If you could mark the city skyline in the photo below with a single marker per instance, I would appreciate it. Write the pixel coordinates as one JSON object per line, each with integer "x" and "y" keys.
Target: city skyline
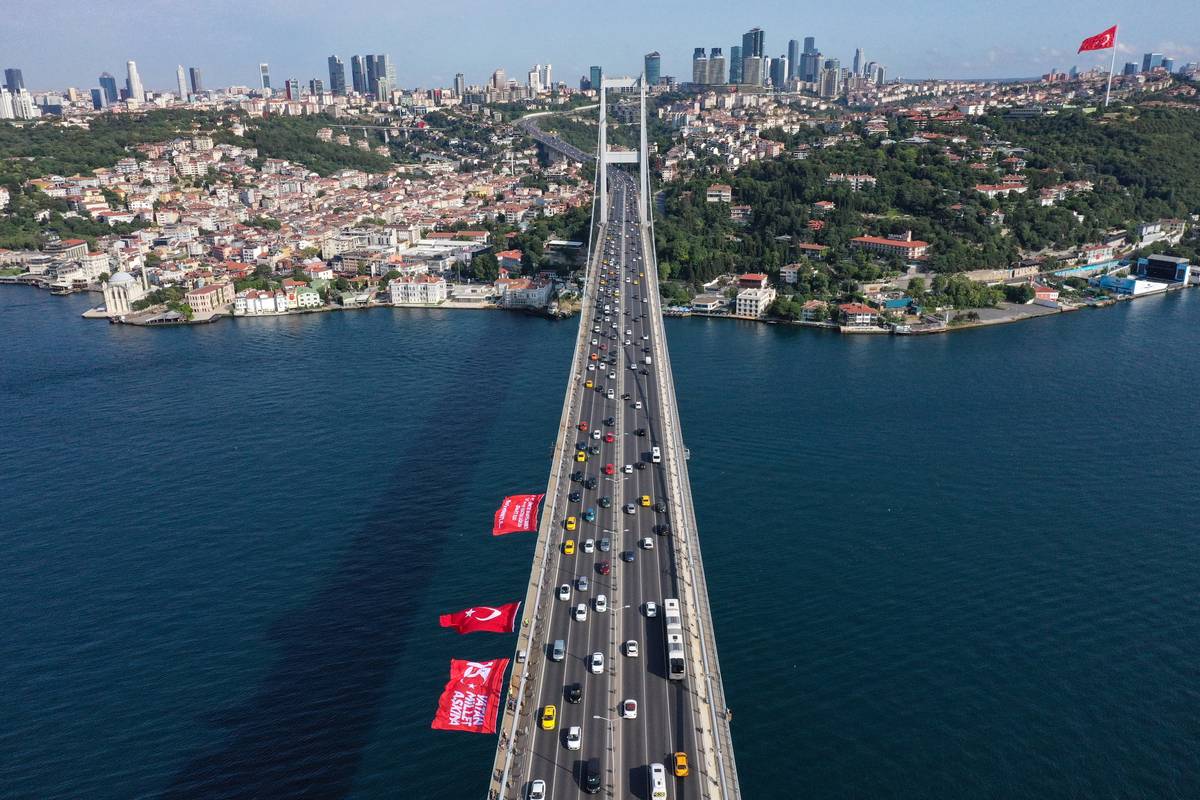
{"x": 987, "y": 43}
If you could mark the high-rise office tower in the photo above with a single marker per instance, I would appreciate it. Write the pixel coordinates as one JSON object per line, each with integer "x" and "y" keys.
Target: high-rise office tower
{"x": 699, "y": 66}
{"x": 99, "y": 99}
{"x": 264, "y": 76}
{"x": 779, "y": 72}
{"x": 337, "y": 75}
{"x": 316, "y": 87}
{"x": 752, "y": 43}
{"x": 460, "y": 85}
{"x": 1130, "y": 68}
{"x": 1151, "y": 61}
{"x": 810, "y": 44}
{"x": 372, "y": 74}
{"x": 735, "y": 64}
{"x": 1168, "y": 64}
{"x": 109, "y": 84}
{"x": 810, "y": 66}
{"x": 831, "y": 78}
{"x": 181, "y": 82}
{"x": 533, "y": 79}
{"x": 14, "y": 81}
{"x": 499, "y": 79}
{"x": 858, "y": 61}
{"x": 752, "y": 71}
{"x": 716, "y": 67}
{"x": 196, "y": 79}
{"x": 652, "y": 68}
{"x": 6, "y": 105}
{"x": 547, "y": 77}
{"x": 133, "y": 82}
{"x": 292, "y": 89}
{"x": 358, "y": 74}
{"x": 380, "y": 75}
{"x": 793, "y": 57}
{"x": 595, "y": 74}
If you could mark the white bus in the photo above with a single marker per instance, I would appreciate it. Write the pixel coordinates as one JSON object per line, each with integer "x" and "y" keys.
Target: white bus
{"x": 658, "y": 782}
{"x": 673, "y": 631}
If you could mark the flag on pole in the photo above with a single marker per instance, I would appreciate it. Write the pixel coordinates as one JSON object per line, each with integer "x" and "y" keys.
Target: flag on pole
{"x": 1101, "y": 41}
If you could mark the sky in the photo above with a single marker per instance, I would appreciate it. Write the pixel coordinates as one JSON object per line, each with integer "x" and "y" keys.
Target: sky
{"x": 70, "y": 42}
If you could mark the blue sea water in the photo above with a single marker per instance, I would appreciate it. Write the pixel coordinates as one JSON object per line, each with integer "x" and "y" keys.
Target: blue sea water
{"x": 959, "y": 566}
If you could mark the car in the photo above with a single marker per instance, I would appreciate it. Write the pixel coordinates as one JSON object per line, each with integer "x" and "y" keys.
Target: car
{"x": 651, "y": 609}
{"x": 603, "y": 567}
{"x": 627, "y": 469}
{"x": 631, "y": 648}
{"x": 591, "y": 483}
{"x": 610, "y": 421}
{"x": 631, "y": 365}
{"x": 628, "y": 332}
{"x": 577, "y": 476}
{"x": 640, "y": 465}
{"x": 564, "y": 592}
{"x": 609, "y": 438}
{"x": 606, "y": 502}
{"x": 596, "y": 435}
{"x": 608, "y": 469}
{"x": 680, "y": 762}
{"x": 638, "y": 405}
{"x": 644, "y": 371}
{"x": 581, "y": 583}
{"x": 594, "y": 449}
{"x": 537, "y": 790}
{"x": 593, "y": 779}
{"x": 589, "y": 545}
{"x": 589, "y": 515}
{"x": 644, "y": 500}
{"x": 605, "y": 545}
{"x": 574, "y": 734}
{"x": 640, "y": 432}
{"x": 580, "y": 456}
{"x": 592, "y": 367}
{"x": 662, "y": 529}
{"x": 573, "y": 692}
{"x": 645, "y": 337}
{"x": 630, "y": 508}
{"x": 593, "y": 357}
{"x": 628, "y": 556}
{"x": 612, "y": 376}
{"x": 580, "y": 612}
{"x": 601, "y": 604}
{"x": 549, "y": 717}
{"x": 588, "y": 384}
{"x": 626, "y": 396}
{"x": 660, "y": 507}
{"x": 646, "y": 350}
{"x": 629, "y": 709}
{"x": 611, "y": 394}
{"x": 594, "y": 342}
{"x": 647, "y": 543}
{"x": 568, "y": 547}
{"x": 596, "y": 664}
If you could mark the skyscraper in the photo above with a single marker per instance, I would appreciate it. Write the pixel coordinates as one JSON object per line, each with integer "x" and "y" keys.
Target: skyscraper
{"x": 99, "y": 99}
{"x": 316, "y": 87}
{"x": 196, "y": 79}
{"x": 858, "y": 61}
{"x": 1168, "y": 64}
{"x": 109, "y": 84}
{"x": 752, "y": 71}
{"x": 337, "y": 75}
{"x": 547, "y": 77}
{"x": 533, "y": 79}
{"x": 716, "y": 67}
{"x": 499, "y": 79}
{"x": 133, "y": 82}
{"x": 380, "y": 75}
{"x": 460, "y": 85}
{"x": 181, "y": 82}
{"x": 264, "y": 76}
{"x": 594, "y": 75}
{"x": 810, "y": 66}
{"x": 810, "y": 44}
{"x": 1151, "y": 61}
{"x": 14, "y": 81}
{"x": 699, "y": 66}
{"x": 779, "y": 68}
{"x": 752, "y": 43}
{"x": 1130, "y": 68}
{"x": 6, "y": 105}
{"x": 735, "y": 64}
{"x": 793, "y": 58}
{"x": 652, "y": 68}
{"x": 358, "y": 74}
{"x": 292, "y": 89}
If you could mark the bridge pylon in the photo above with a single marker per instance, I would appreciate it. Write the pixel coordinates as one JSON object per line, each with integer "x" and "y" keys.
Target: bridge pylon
{"x": 641, "y": 156}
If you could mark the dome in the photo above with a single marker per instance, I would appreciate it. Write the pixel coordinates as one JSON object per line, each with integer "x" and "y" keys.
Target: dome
{"x": 120, "y": 278}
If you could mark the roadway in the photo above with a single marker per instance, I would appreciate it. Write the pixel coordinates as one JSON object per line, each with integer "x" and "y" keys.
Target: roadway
{"x": 665, "y": 723}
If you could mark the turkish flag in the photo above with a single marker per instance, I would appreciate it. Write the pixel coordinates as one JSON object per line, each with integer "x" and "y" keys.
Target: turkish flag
{"x": 1101, "y": 41}
{"x": 518, "y": 512}
{"x": 471, "y": 697}
{"x": 486, "y": 619}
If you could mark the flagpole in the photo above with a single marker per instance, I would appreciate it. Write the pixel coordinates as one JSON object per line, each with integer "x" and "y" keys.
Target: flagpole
{"x": 1111, "y": 66}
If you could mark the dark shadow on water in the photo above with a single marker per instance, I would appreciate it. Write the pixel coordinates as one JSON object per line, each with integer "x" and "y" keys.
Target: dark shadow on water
{"x": 304, "y": 730}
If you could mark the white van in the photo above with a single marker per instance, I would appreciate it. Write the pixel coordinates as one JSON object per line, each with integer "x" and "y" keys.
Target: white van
{"x": 655, "y": 455}
{"x": 559, "y": 651}
{"x": 658, "y": 782}
{"x": 647, "y": 360}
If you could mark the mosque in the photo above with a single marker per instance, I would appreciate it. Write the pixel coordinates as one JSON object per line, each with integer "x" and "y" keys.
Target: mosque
{"x": 121, "y": 291}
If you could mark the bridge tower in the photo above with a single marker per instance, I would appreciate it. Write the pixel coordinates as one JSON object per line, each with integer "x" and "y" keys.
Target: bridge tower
{"x": 641, "y": 156}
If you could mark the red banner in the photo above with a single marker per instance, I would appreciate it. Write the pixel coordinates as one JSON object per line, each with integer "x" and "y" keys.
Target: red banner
{"x": 485, "y": 619}
{"x": 1101, "y": 41}
{"x": 518, "y": 512}
{"x": 472, "y": 696}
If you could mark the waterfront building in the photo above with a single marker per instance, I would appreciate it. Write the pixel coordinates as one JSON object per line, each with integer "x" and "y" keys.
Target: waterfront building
{"x": 754, "y": 302}
{"x": 858, "y": 315}
{"x": 521, "y": 293}
{"x": 210, "y": 299}
{"x": 1173, "y": 269}
{"x": 121, "y": 291}
{"x": 409, "y": 290}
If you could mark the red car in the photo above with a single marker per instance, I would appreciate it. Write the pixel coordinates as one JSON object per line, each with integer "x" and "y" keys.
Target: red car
{"x": 583, "y": 426}
{"x": 608, "y": 469}
{"x": 608, "y": 437}
{"x": 603, "y": 567}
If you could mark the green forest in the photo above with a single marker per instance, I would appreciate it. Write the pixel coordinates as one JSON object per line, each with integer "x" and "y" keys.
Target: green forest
{"x": 295, "y": 139}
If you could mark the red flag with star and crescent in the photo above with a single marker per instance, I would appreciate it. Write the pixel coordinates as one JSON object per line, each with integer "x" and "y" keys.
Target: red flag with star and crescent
{"x": 1101, "y": 41}
{"x": 485, "y": 619}
{"x": 471, "y": 697}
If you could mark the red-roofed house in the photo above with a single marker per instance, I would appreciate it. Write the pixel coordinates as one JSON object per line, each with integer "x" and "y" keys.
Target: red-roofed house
{"x": 752, "y": 280}
{"x": 857, "y": 315}
{"x": 510, "y": 259}
{"x": 906, "y": 247}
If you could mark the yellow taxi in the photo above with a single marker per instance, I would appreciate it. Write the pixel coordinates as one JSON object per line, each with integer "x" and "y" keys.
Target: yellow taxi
{"x": 572, "y": 524}
{"x": 581, "y": 455}
{"x": 679, "y": 760}
{"x": 569, "y": 547}
{"x": 589, "y": 384}
{"x": 549, "y": 718}
{"x": 635, "y": 282}
{"x": 645, "y": 501}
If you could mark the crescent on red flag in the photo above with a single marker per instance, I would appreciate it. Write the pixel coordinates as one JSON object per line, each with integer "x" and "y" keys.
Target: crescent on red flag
{"x": 485, "y": 619}
{"x": 1101, "y": 41}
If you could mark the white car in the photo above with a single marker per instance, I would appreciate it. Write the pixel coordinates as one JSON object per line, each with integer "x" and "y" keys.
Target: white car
{"x": 647, "y": 543}
{"x": 631, "y": 648}
{"x": 596, "y": 665}
{"x": 581, "y": 583}
{"x": 592, "y": 367}
{"x": 537, "y": 789}
{"x": 612, "y": 376}
{"x": 645, "y": 337}
{"x": 627, "y": 469}
{"x": 596, "y": 434}
{"x": 651, "y": 609}
{"x": 631, "y": 365}
{"x": 601, "y": 603}
{"x": 629, "y": 709}
{"x": 564, "y": 592}
{"x": 637, "y": 404}
{"x": 581, "y": 613}
{"x": 574, "y": 734}
{"x": 628, "y": 332}
{"x": 589, "y": 545}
